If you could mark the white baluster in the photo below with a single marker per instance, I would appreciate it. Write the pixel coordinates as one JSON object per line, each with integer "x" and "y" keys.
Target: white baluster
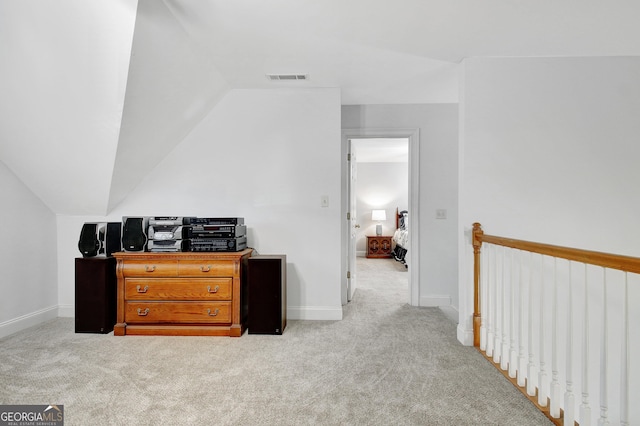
{"x": 555, "y": 384}
{"x": 624, "y": 357}
{"x": 542, "y": 375}
{"x": 604, "y": 405}
{"x": 491, "y": 304}
{"x": 484, "y": 282}
{"x": 522, "y": 360}
{"x": 498, "y": 315}
{"x": 513, "y": 328}
{"x": 531, "y": 384}
{"x": 504, "y": 359}
{"x": 585, "y": 408}
{"x": 569, "y": 398}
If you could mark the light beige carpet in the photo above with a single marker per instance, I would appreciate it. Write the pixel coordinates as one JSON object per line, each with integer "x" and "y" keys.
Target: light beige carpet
{"x": 385, "y": 363}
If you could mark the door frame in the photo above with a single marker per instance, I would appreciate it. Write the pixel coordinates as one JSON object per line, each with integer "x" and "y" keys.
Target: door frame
{"x": 413, "y": 135}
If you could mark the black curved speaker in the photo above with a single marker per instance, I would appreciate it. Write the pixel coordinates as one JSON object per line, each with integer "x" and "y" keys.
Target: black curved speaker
{"x": 100, "y": 239}
{"x": 89, "y": 244}
{"x": 134, "y": 235}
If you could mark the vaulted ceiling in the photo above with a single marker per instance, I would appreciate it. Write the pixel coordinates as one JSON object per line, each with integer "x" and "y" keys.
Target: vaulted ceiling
{"x": 95, "y": 94}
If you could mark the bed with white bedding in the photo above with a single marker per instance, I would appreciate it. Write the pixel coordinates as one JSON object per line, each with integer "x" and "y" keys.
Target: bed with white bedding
{"x": 401, "y": 237}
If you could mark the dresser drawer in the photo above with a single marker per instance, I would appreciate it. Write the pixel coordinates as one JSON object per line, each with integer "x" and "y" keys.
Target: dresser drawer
{"x": 178, "y": 289}
{"x": 150, "y": 269}
{"x": 178, "y": 312}
{"x": 200, "y": 268}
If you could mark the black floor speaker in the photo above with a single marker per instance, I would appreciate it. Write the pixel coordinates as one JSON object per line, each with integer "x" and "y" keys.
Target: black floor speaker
{"x": 267, "y": 282}
{"x": 95, "y": 306}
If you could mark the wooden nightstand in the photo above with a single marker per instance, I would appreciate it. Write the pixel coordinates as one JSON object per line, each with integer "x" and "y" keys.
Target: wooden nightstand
{"x": 378, "y": 246}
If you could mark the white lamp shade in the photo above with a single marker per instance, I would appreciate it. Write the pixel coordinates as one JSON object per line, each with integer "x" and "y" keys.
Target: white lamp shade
{"x": 378, "y": 215}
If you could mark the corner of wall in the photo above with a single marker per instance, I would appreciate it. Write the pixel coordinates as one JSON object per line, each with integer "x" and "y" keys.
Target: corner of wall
{"x": 23, "y": 322}
{"x": 465, "y": 336}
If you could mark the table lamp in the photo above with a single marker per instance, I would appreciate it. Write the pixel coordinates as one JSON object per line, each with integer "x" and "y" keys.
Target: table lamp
{"x": 378, "y": 215}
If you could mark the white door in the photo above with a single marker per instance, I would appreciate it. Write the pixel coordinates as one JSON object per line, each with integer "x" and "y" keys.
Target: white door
{"x": 352, "y": 219}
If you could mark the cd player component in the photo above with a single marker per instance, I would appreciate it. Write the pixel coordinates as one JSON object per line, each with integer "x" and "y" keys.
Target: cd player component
{"x": 168, "y": 245}
{"x": 169, "y": 232}
{"x": 169, "y": 220}
{"x": 214, "y": 221}
{"x": 218, "y": 244}
{"x": 218, "y": 231}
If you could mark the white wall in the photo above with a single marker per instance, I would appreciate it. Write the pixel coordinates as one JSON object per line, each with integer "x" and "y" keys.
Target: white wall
{"x": 63, "y": 79}
{"x": 551, "y": 148}
{"x": 267, "y": 156}
{"x": 27, "y": 257}
{"x": 379, "y": 181}
{"x": 438, "y": 126}
{"x": 550, "y": 154}
{"x": 171, "y": 86}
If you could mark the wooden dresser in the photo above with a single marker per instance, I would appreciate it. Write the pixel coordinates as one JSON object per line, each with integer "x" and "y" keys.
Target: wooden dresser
{"x": 186, "y": 293}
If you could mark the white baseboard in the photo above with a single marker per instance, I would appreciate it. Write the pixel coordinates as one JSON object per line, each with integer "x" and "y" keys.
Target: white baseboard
{"x": 435, "y": 301}
{"x": 451, "y": 312}
{"x": 465, "y": 336}
{"x": 320, "y": 313}
{"x": 29, "y": 320}
{"x": 66, "y": 311}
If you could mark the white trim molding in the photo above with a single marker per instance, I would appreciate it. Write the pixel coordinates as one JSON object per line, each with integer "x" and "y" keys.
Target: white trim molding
{"x": 29, "y": 320}
{"x": 414, "y": 199}
{"x": 435, "y": 301}
{"x": 464, "y": 335}
{"x": 66, "y": 311}
{"x": 320, "y": 313}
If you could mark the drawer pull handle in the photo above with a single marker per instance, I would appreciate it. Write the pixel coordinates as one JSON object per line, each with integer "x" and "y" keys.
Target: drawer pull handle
{"x": 205, "y": 268}
{"x": 148, "y": 268}
{"x": 143, "y": 313}
{"x": 142, "y": 290}
{"x": 214, "y": 314}
{"x": 215, "y": 290}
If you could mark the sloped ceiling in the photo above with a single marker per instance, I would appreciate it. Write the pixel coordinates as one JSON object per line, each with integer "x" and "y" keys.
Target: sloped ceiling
{"x": 171, "y": 86}
{"x": 89, "y": 106}
{"x": 63, "y": 70}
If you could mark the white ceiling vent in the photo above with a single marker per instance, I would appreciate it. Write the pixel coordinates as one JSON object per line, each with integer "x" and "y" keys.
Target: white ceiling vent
{"x": 287, "y": 77}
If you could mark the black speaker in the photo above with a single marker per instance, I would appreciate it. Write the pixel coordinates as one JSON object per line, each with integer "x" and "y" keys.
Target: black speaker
{"x": 134, "y": 233}
{"x": 95, "y": 304}
{"x": 100, "y": 239}
{"x": 267, "y": 282}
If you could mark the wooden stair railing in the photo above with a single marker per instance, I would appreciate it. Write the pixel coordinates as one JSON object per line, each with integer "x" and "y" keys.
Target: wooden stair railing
{"x": 511, "y": 366}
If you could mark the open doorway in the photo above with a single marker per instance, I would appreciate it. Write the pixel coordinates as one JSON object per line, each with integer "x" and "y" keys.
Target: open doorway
{"x": 380, "y": 186}
{"x": 379, "y": 146}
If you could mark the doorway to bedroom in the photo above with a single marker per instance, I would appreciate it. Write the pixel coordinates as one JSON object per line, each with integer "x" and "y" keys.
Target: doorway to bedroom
{"x": 379, "y": 207}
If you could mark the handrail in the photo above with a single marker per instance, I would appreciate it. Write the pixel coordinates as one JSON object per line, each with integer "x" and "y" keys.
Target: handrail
{"x": 626, "y": 264}
{"x": 605, "y": 260}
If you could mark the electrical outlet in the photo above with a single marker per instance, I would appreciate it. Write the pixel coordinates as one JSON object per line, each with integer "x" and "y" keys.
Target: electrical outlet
{"x": 441, "y": 214}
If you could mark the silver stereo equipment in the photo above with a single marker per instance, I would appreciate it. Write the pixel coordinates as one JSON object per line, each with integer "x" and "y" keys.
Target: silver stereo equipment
{"x": 100, "y": 239}
{"x": 168, "y": 245}
{"x": 218, "y": 244}
{"x": 162, "y": 232}
{"x": 218, "y": 231}
{"x": 214, "y": 221}
{"x": 168, "y": 220}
